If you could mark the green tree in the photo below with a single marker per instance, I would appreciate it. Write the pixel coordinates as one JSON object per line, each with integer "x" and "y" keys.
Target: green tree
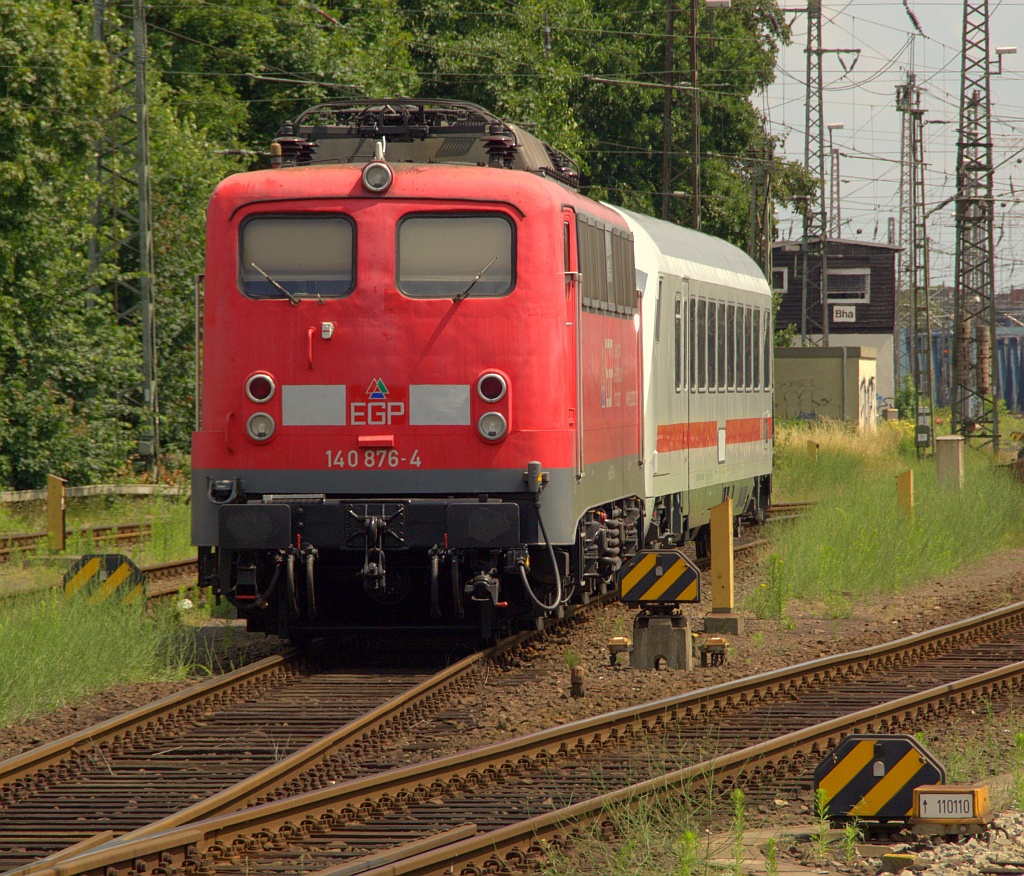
{"x": 64, "y": 363}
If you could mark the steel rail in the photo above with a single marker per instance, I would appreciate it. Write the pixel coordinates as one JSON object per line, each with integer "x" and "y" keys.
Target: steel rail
{"x": 282, "y": 771}
{"x": 14, "y": 771}
{"x": 216, "y": 836}
{"x": 507, "y": 848}
{"x": 23, "y": 542}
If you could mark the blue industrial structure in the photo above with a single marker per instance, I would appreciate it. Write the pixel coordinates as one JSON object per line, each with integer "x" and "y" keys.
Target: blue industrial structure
{"x": 1009, "y": 361}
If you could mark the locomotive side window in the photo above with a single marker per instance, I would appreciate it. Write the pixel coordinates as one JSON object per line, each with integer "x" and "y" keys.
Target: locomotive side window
{"x": 609, "y": 274}
{"x": 612, "y": 288}
{"x": 565, "y": 249}
{"x": 445, "y": 255}
{"x": 583, "y": 239}
{"x": 599, "y": 274}
{"x": 297, "y": 256}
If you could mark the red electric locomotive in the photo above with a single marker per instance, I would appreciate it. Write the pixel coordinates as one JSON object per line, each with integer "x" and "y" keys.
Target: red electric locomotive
{"x": 423, "y": 380}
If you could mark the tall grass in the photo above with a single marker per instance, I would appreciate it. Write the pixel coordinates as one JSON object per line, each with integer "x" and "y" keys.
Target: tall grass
{"x": 856, "y": 543}
{"x": 57, "y": 651}
{"x": 168, "y": 518}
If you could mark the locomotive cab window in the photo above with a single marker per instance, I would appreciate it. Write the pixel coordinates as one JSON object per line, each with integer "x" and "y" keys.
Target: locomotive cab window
{"x": 444, "y": 255}
{"x": 310, "y": 256}
{"x": 609, "y": 272}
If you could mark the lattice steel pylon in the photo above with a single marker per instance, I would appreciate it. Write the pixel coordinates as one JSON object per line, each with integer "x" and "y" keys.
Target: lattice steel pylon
{"x": 904, "y": 308}
{"x": 908, "y": 102}
{"x": 124, "y": 236}
{"x": 975, "y": 382}
{"x": 813, "y": 287}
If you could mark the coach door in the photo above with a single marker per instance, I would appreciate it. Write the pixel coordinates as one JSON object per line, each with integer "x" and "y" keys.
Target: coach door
{"x": 672, "y": 411}
{"x": 570, "y": 266}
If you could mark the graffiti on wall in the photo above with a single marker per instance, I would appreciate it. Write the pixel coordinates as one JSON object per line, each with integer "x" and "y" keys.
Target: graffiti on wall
{"x": 868, "y": 408}
{"x": 804, "y": 399}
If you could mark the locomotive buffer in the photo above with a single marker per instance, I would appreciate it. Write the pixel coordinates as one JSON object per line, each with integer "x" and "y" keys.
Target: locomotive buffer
{"x": 659, "y": 582}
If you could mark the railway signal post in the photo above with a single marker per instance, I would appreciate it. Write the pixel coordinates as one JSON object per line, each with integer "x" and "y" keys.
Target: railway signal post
{"x": 723, "y": 619}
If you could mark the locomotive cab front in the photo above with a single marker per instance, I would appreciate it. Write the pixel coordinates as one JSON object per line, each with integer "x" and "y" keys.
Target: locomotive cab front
{"x": 391, "y": 400}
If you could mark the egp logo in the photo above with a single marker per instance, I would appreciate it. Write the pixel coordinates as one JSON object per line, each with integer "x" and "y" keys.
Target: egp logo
{"x": 379, "y": 409}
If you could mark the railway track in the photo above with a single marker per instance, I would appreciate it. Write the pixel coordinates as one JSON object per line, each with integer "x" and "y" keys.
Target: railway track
{"x": 787, "y": 510}
{"x": 19, "y": 544}
{"x": 495, "y": 808}
{"x": 258, "y": 725}
{"x": 272, "y": 729}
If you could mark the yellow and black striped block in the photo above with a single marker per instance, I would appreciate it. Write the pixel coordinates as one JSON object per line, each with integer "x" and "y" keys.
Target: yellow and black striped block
{"x": 98, "y": 577}
{"x": 659, "y": 576}
{"x": 872, "y": 776}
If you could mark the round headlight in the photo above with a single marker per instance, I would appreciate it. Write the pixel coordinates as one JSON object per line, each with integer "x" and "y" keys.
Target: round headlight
{"x": 491, "y": 387}
{"x": 260, "y": 426}
{"x": 377, "y": 177}
{"x": 492, "y": 426}
{"x": 260, "y": 388}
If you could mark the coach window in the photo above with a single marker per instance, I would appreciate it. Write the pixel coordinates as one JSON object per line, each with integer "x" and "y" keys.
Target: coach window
{"x": 445, "y": 255}
{"x": 730, "y": 340}
{"x": 748, "y": 344}
{"x": 721, "y": 346}
{"x": 309, "y": 256}
{"x": 702, "y": 344}
{"x": 716, "y": 321}
{"x": 713, "y": 330}
{"x": 742, "y": 347}
{"x": 693, "y": 345}
{"x": 757, "y": 349}
{"x": 766, "y": 347}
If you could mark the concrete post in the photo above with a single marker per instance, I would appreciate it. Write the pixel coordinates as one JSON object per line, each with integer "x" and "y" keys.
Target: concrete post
{"x": 55, "y": 511}
{"x": 949, "y": 460}
{"x": 905, "y": 494}
{"x": 722, "y": 618}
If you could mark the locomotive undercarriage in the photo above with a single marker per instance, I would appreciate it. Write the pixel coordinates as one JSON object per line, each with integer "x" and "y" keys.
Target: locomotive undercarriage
{"x": 470, "y": 569}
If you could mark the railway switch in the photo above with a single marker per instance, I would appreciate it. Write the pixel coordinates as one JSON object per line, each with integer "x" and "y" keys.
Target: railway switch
{"x": 619, "y": 645}
{"x": 712, "y": 651}
{"x": 874, "y": 777}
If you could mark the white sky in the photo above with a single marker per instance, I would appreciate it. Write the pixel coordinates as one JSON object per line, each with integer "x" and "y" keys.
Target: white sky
{"x": 864, "y": 100}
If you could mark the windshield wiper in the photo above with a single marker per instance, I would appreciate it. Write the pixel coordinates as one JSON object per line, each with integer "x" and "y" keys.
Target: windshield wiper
{"x": 292, "y": 297}
{"x": 457, "y": 298}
